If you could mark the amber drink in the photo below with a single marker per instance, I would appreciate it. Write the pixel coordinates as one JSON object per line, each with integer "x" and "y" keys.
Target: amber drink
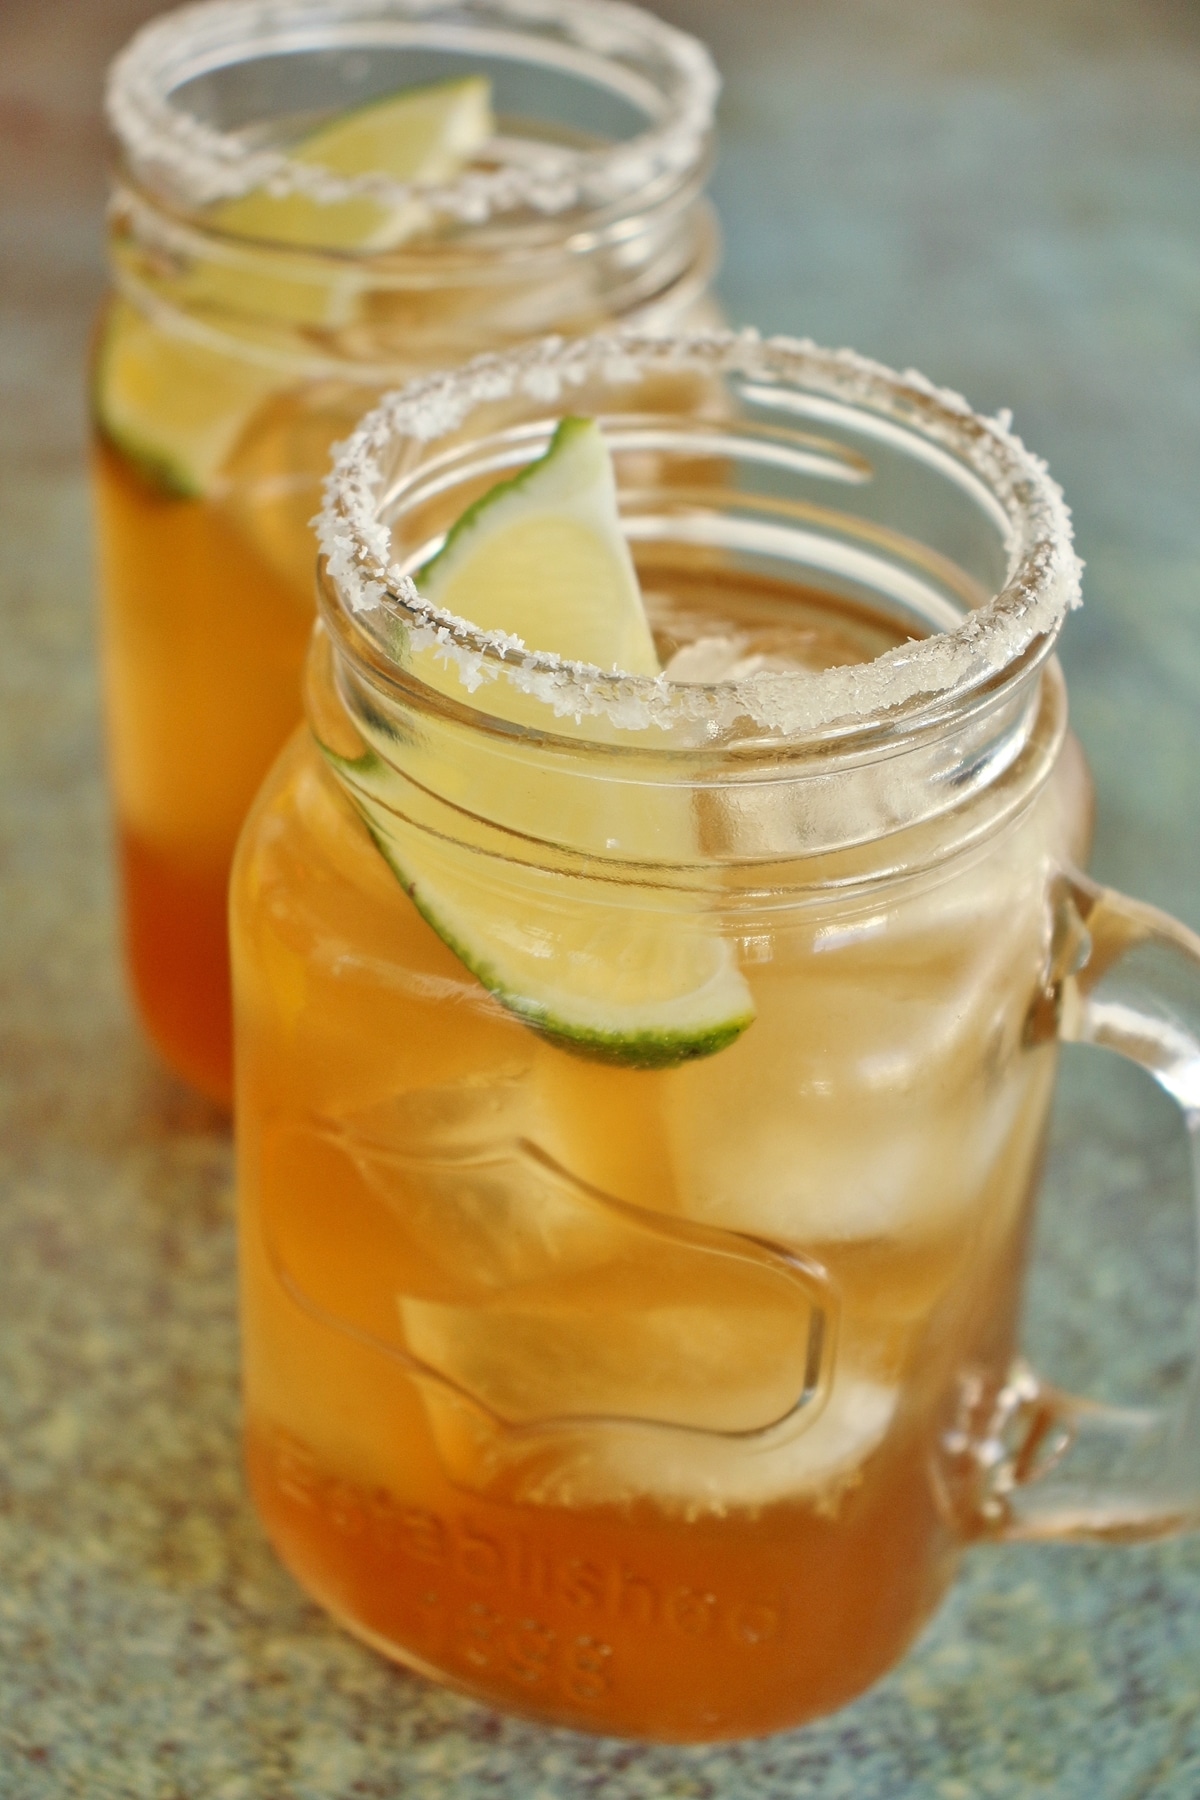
{"x": 312, "y": 203}
{"x": 642, "y": 1080}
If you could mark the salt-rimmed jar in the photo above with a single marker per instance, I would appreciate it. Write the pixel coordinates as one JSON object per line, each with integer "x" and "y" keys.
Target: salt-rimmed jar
{"x": 648, "y": 1386}
{"x": 230, "y": 360}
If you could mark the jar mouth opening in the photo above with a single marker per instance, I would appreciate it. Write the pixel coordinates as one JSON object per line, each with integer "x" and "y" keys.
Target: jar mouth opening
{"x": 980, "y": 642}
{"x": 661, "y": 77}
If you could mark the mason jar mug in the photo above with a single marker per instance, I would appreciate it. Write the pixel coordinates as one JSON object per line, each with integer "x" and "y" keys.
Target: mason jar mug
{"x": 314, "y": 200}
{"x": 642, "y": 1080}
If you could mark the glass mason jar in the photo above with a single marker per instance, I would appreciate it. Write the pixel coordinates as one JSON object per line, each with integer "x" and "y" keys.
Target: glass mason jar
{"x": 227, "y": 364}
{"x": 647, "y": 1391}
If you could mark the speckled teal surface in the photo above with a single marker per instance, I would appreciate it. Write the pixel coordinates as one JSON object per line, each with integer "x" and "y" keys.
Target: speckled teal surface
{"x": 1006, "y": 193}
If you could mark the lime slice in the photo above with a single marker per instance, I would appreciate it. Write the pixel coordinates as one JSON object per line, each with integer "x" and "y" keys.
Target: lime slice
{"x": 422, "y": 134}
{"x": 634, "y": 975}
{"x": 177, "y": 404}
{"x": 174, "y": 406}
{"x": 544, "y": 556}
{"x": 645, "y": 989}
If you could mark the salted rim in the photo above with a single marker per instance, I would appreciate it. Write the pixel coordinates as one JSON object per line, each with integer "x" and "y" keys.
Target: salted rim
{"x": 203, "y": 164}
{"x": 1042, "y": 584}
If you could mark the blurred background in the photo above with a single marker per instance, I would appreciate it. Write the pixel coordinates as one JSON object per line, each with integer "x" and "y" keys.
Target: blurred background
{"x": 1004, "y": 193}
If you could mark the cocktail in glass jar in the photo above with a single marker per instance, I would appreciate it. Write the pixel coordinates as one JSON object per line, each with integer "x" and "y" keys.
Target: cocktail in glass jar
{"x": 316, "y": 199}
{"x": 642, "y": 1077}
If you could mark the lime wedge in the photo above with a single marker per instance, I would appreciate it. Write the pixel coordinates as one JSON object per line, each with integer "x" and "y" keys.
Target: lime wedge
{"x": 643, "y": 989}
{"x": 635, "y": 975}
{"x": 177, "y": 404}
{"x": 544, "y": 556}
{"x": 174, "y": 406}
{"x": 422, "y": 134}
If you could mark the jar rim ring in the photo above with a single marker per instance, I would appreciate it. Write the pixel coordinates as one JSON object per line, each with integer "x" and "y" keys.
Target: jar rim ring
{"x": 1042, "y": 580}
{"x": 203, "y": 164}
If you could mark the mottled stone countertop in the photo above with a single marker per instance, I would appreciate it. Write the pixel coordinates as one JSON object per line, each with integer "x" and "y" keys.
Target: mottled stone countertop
{"x": 1005, "y": 193}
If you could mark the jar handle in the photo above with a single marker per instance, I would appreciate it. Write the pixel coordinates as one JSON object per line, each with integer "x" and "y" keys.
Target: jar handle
{"x": 1032, "y": 1461}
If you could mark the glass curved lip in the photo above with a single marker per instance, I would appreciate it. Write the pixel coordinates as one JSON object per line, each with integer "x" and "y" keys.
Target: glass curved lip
{"x": 844, "y": 741}
{"x": 487, "y": 253}
{"x": 913, "y": 687}
{"x": 664, "y": 74}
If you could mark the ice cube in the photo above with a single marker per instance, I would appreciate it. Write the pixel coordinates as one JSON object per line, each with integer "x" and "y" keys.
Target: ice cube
{"x": 877, "y": 1089}
{"x": 596, "y": 1307}
{"x": 525, "y": 1292}
{"x": 440, "y": 1182}
{"x": 815, "y": 1456}
{"x": 672, "y": 1333}
{"x": 445, "y": 1122}
{"x": 707, "y": 659}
